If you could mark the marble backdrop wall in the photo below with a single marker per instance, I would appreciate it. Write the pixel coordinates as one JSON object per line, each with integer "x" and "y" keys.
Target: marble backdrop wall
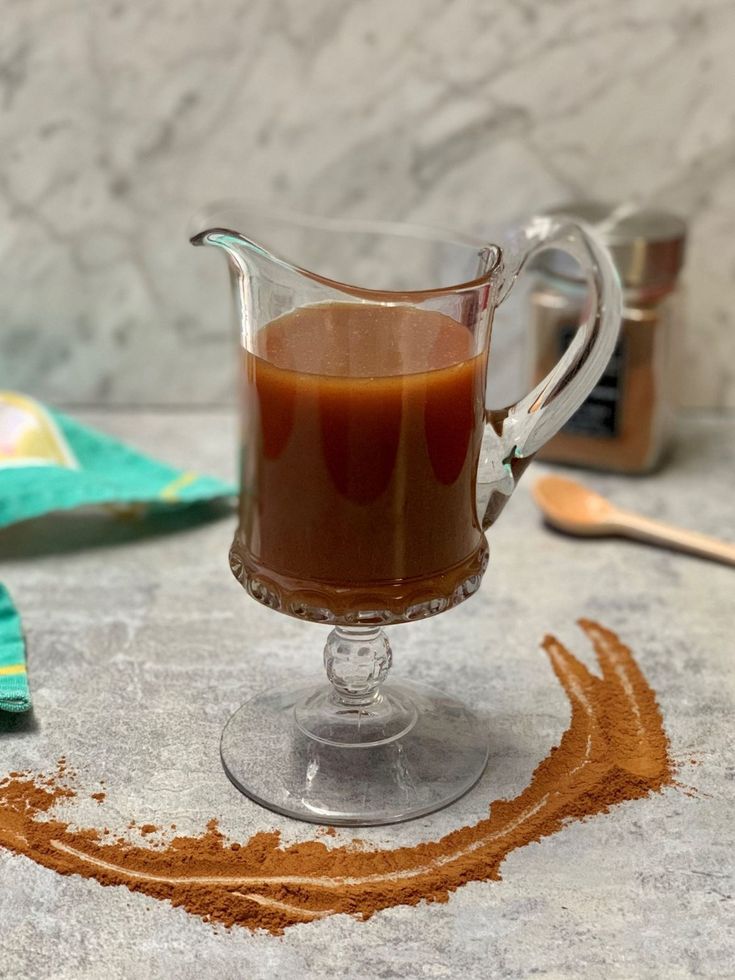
{"x": 119, "y": 119}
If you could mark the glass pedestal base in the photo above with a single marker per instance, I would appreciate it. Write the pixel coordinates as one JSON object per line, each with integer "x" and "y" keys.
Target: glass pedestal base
{"x": 308, "y": 755}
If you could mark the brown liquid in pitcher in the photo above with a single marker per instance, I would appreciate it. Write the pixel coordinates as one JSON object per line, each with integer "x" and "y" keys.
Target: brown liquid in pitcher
{"x": 361, "y": 436}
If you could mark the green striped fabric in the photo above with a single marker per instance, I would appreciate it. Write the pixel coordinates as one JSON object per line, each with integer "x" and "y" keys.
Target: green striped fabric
{"x": 94, "y": 468}
{"x": 14, "y": 692}
{"x": 50, "y": 462}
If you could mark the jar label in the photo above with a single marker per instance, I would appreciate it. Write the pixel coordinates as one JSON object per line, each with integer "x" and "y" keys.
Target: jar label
{"x": 599, "y": 415}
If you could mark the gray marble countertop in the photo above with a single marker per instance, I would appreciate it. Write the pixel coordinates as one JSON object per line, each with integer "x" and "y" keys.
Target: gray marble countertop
{"x": 141, "y": 644}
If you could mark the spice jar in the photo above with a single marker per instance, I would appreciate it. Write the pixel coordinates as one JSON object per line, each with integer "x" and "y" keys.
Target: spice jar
{"x": 625, "y": 423}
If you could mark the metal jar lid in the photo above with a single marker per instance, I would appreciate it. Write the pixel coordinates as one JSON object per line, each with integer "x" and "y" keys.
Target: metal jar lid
{"x": 647, "y": 246}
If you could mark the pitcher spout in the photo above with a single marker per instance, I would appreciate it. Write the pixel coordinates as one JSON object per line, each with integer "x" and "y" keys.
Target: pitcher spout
{"x": 246, "y": 256}
{"x": 371, "y": 261}
{"x": 220, "y": 237}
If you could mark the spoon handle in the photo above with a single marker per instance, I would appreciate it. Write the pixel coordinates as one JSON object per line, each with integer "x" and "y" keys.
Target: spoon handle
{"x": 645, "y": 529}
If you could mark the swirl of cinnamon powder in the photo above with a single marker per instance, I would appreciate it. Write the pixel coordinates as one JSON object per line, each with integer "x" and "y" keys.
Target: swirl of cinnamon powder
{"x": 614, "y": 749}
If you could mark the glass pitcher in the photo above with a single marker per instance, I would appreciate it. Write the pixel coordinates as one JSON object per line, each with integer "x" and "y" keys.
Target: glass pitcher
{"x": 370, "y": 472}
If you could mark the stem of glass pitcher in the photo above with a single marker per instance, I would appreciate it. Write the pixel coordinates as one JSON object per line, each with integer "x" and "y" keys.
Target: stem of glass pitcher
{"x": 357, "y": 660}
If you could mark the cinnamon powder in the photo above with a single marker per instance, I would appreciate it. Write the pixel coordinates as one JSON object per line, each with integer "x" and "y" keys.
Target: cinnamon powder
{"x": 615, "y": 749}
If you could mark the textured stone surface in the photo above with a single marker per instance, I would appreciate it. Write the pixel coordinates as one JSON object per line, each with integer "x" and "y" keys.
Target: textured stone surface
{"x": 117, "y": 121}
{"x": 141, "y": 645}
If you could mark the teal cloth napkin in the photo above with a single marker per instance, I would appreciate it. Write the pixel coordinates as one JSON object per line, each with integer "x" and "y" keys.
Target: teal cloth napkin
{"x": 15, "y": 694}
{"x": 50, "y": 462}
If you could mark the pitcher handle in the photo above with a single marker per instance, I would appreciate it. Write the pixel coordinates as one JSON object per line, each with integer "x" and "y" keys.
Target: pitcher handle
{"x": 515, "y": 434}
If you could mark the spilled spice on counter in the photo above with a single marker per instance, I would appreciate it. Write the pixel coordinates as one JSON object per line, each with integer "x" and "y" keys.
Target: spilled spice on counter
{"x": 615, "y": 749}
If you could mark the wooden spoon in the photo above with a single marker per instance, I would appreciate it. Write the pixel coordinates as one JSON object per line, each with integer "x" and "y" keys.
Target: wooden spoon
{"x": 573, "y": 508}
